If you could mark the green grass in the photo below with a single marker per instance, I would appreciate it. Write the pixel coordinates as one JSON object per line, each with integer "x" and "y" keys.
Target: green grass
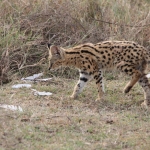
{"x": 57, "y": 122}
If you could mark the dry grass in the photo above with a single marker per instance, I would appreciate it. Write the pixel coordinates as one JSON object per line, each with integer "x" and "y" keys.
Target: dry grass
{"x": 56, "y": 122}
{"x": 26, "y": 26}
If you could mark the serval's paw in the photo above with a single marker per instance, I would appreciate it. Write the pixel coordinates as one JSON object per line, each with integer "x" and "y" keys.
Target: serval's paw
{"x": 73, "y": 96}
{"x": 100, "y": 99}
{"x": 127, "y": 89}
{"x": 144, "y": 105}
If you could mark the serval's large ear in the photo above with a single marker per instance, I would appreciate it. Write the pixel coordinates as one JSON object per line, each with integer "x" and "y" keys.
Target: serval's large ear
{"x": 49, "y": 45}
{"x": 55, "y": 50}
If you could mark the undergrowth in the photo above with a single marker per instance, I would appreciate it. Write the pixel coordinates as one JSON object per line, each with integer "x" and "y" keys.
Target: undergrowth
{"x": 27, "y": 26}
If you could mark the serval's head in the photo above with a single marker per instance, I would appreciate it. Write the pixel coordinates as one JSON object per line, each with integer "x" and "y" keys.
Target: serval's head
{"x": 56, "y": 56}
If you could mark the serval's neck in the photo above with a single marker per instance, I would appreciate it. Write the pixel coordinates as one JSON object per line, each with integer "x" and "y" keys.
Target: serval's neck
{"x": 72, "y": 58}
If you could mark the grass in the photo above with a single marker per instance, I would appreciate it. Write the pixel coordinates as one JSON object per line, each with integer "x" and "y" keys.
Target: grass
{"x": 57, "y": 122}
{"x": 27, "y": 26}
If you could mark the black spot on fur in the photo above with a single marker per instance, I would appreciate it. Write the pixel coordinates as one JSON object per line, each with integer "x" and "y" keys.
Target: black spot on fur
{"x": 104, "y": 57}
{"x": 98, "y": 81}
{"x": 84, "y": 79}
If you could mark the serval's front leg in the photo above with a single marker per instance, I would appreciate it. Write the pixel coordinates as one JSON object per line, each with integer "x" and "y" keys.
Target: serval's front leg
{"x": 98, "y": 76}
{"x": 84, "y": 78}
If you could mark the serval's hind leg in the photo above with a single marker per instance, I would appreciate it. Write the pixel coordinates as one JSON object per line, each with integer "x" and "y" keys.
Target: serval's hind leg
{"x": 135, "y": 77}
{"x": 131, "y": 70}
{"x": 144, "y": 83}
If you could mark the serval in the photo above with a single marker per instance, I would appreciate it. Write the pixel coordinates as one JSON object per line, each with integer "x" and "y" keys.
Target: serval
{"x": 91, "y": 59}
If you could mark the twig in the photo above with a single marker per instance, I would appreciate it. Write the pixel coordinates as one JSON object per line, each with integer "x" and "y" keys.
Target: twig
{"x": 39, "y": 63}
{"x": 146, "y": 25}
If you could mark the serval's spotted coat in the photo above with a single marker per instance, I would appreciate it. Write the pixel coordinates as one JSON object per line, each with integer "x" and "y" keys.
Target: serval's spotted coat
{"x": 128, "y": 57}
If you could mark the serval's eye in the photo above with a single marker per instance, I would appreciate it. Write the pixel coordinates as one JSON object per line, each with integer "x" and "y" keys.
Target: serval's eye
{"x": 50, "y": 66}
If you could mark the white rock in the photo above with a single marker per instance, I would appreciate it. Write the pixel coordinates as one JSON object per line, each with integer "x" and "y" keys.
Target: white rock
{"x": 46, "y": 79}
{"x": 41, "y": 93}
{"x": 33, "y": 77}
{"x": 11, "y": 107}
{"x": 17, "y": 86}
